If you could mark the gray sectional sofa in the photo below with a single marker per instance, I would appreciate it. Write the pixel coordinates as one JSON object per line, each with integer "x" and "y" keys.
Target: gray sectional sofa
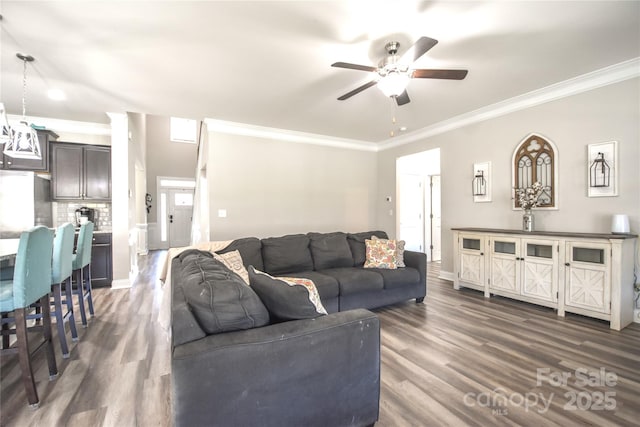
{"x": 235, "y": 364}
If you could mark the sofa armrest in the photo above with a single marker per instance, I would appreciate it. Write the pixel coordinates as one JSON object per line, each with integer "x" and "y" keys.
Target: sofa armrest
{"x": 418, "y": 260}
{"x": 312, "y": 372}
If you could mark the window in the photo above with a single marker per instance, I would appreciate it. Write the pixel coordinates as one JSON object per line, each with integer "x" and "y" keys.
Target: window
{"x": 535, "y": 160}
{"x": 177, "y": 183}
{"x": 183, "y": 130}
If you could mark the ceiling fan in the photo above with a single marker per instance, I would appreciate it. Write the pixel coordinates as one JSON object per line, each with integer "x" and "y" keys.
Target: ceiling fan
{"x": 394, "y": 72}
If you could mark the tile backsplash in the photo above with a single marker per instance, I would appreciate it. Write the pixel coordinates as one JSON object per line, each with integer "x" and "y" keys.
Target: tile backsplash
{"x": 66, "y": 212}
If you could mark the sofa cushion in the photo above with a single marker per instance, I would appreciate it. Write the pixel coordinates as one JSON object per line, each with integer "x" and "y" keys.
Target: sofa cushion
{"x": 354, "y": 280}
{"x": 380, "y": 253}
{"x": 286, "y": 254}
{"x": 233, "y": 261}
{"x": 287, "y": 298}
{"x": 250, "y": 249}
{"x": 399, "y": 277}
{"x": 220, "y": 300}
{"x": 330, "y": 250}
{"x": 356, "y": 243}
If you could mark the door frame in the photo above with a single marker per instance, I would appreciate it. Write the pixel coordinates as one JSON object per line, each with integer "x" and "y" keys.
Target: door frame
{"x": 426, "y": 164}
{"x": 163, "y": 185}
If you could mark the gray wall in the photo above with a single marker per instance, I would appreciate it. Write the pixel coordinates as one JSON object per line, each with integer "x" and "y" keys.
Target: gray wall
{"x": 271, "y": 188}
{"x": 605, "y": 114}
{"x": 165, "y": 158}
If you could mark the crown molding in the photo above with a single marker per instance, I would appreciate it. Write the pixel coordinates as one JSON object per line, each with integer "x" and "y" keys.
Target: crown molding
{"x": 605, "y": 76}
{"x": 234, "y": 128}
{"x": 71, "y": 126}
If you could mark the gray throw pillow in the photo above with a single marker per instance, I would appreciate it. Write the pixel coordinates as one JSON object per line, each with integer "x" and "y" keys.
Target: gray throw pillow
{"x": 287, "y": 298}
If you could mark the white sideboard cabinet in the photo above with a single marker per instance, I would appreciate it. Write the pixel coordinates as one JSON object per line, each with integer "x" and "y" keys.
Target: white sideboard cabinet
{"x": 585, "y": 273}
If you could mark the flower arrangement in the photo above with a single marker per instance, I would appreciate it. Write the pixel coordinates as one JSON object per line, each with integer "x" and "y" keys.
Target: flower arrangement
{"x": 529, "y": 197}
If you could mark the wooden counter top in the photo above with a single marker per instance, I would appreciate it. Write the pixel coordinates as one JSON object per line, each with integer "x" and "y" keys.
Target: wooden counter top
{"x": 549, "y": 233}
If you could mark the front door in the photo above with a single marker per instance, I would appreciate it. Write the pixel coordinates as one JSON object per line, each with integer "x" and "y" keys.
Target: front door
{"x": 180, "y": 212}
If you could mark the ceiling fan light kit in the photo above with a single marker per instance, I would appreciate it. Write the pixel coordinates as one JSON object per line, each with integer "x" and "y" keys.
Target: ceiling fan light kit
{"x": 394, "y": 83}
{"x": 394, "y": 73}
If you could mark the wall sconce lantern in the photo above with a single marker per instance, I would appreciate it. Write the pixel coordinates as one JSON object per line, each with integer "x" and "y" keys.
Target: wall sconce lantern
{"x": 479, "y": 184}
{"x": 599, "y": 172}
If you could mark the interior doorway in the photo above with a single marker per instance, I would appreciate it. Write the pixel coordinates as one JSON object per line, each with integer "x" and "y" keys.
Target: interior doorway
{"x": 175, "y": 214}
{"x": 180, "y": 217}
{"x": 419, "y": 202}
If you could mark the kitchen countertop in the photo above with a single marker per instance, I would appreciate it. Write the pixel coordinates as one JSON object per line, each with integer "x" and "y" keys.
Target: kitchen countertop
{"x": 16, "y": 234}
{"x": 8, "y": 248}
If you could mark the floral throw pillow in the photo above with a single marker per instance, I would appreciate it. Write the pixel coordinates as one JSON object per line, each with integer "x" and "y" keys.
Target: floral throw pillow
{"x": 399, "y": 251}
{"x": 233, "y": 261}
{"x": 380, "y": 253}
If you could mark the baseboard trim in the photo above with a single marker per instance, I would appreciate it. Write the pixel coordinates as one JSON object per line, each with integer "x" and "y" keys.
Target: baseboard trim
{"x": 121, "y": 284}
{"x": 446, "y": 275}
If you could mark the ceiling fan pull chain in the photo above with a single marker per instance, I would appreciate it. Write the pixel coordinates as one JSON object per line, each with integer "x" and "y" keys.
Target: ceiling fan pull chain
{"x": 394, "y": 110}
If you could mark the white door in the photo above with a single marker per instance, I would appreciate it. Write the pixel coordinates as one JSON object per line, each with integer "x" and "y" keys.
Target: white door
{"x": 588, "y": 276}
{"x": 180, "y": 212}
{"x": 411, "y": 214}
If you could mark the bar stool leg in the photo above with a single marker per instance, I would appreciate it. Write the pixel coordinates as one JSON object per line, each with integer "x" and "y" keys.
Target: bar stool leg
{"x": 88, "y": 290}
{"x": 68, "y": 291}
{"x": 25, "y": 359}
{"x": 48, "y": 342}
{"x": 57, "y": 303}
{"x": 79, "y": 290}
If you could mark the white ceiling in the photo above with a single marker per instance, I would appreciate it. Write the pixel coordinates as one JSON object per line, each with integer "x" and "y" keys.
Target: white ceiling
{"x": 267, "y": 63}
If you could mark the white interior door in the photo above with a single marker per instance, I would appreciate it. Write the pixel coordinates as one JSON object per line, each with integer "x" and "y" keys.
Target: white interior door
{"x": 179, "y": 215}
{"x": 411, "y": 211}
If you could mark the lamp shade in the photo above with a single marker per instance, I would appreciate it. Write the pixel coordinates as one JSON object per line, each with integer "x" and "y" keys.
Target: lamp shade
{"x": 620, "y": 223}
{"x": 24, "y": 144}
{"x": 394, "y": 83}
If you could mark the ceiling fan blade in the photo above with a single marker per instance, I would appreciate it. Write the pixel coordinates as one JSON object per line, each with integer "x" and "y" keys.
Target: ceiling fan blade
{"x": 440, "y": 74}
{"x": 354, "y": 66}
{"x": 357, "y": 90}
{"x": 418, "y": 49}
{"x": 403, "y": 98}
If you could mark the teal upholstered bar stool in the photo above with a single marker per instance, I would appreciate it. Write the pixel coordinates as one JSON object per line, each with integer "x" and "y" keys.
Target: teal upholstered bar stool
{"x": 31, "y": 283}
{"x": 61, "y": 270}
{"x": 81, "y": 264}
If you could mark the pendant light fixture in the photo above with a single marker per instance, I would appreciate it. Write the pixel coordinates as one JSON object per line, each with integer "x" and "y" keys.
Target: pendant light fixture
{"x": 24, "y": 142}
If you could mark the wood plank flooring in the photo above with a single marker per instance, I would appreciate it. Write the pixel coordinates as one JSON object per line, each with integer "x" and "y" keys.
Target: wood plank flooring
{"x": 456, "y": 360}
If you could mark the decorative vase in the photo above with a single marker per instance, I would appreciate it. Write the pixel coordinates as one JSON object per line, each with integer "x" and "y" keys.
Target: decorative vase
{"x": 527, "y": 220}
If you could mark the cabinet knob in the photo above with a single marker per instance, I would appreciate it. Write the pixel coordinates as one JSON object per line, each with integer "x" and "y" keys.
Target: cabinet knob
{"x": 567, "y": 264}
{"x": 482, "y": 253}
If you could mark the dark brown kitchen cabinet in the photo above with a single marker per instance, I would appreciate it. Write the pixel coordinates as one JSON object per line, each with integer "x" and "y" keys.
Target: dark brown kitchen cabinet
{"x": 101, "y": 261}
{"x": 42, "y": 164}
{"x": 101, "y": 269}
{"x": 80, "y": 172}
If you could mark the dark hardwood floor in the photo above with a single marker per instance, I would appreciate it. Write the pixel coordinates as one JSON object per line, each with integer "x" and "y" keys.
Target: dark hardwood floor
{"x": 456, "y": 360}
